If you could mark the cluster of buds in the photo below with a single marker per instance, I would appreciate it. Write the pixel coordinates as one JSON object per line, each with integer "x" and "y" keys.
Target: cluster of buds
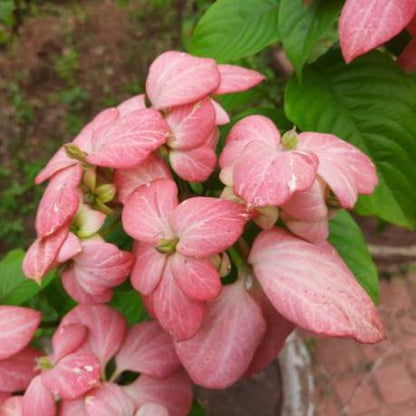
{"x": 139, "y": 164}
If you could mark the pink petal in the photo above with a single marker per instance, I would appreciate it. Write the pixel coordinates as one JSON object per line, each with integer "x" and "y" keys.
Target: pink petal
{"x": 152, "y": 409}
{"x": 17, "y": 327}
{"x": 42, "y": 254}
{"x": 59, "y": 202}
{"x": 247, "y": 130}
{"x": 177, "y": 78}
{"x": 306, "y": 213}
{"x": 277, "y": 330}
{"x": 207, "y": 226}
{"x": 77, "y": 292}
{"x": 197, "y": 278}
{"x": 3, "y": 397}
{"x": 177, "y": 313}
{"x": 221, "y": 116}
{"x": 147, "y": 211}
{"x": 148, "y": 268}
{"x": 174, "y": 392}
{"x": 73, "y": 408}
{"x": 67, "y": 339}
{"x": 194, "y": 165}
{"x": 85, "y": 139}
{"x": 148, "y": 304}
{"x": 17, "y": 371}
{"x": 109, "y": 400}
{"x": 149, "y": 350}
{"x": 213, "y": 138}
{"x": 132, "y": 104}
{"x": 13, "y": 406}
{"x": 59, "y": 161}
{"x": 107, "y": 329}
{"x": 311, "y": 286}
{"x": 127, "y": 180}
{"x": 190, "y": 124}
{"x": 100, "y": 266}
{"x": 263, "y": 177}
{"x": 237, "y": 78}
{"x": 220, "y": 352}
{"x": 407, "y": 59}
{"x": 365, "y": 25}
{"x": 38, "y": 400}
{"x": 129, "y": 140}
{"x": 70, "y": 248}
{"x": 346, "y": 169}
{"x": 73, "y": 376}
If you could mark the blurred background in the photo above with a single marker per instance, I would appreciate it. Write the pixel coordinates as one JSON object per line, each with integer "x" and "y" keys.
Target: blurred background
{"x": 62, "y": 61}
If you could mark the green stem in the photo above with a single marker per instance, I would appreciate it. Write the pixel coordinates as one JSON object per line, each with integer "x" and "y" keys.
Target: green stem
{"x": 110, "y": 227}
{"x": 237, "y": 259}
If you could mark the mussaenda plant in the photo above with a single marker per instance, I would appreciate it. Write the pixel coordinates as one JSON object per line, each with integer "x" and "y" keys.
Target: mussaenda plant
{"x": 225, "y": 269}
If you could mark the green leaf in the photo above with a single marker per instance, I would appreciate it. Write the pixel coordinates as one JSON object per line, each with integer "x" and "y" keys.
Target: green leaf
{"x": 234, "y": 29}
{"x": 197, "y": 409}
{"x": 370, "y": 103}
{"x": 304, "y": 28}
{"x": 347, "y": 238}
{"x": 129, "y": 303}
{"x": 15, "y": 288}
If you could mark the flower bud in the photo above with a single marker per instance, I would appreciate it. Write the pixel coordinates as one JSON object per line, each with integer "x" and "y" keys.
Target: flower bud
{"x": 74, "y": 152}
{"x": 266, "y": 217}
{"x": 167, "y": 246}
{"x": 222, "y": 263}
{"x": 43, "y": 363}
{"x": 105, "y": 193}
{"x": 290, "y": 139}
{"x": 90, "y": 178}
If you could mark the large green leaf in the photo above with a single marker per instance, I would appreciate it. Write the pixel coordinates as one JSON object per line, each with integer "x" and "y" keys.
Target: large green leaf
{"x": 305, "y": 27}
{"x": 233, "y": 29}
{"x": 347, "y": 238}
{"x": 372, "y": 104}
{"x": 15, "y": 289}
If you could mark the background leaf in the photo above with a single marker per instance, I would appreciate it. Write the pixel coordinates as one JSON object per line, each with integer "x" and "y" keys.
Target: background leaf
{"x": 129, "y": 303}
{"x": 370, "y": 103}
{"x": 303, "y": 28}
{"x": 15, "y": 289}
{"x": 347, "y": 238}
{"x": 234, "y": 29}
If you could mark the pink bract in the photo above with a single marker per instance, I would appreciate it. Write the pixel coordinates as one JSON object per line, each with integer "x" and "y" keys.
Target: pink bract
{"x": 177, "y": 78}
{"x": 345, "y": 168}
{"x": 99, "y": 267}
{"x": 222, "y": 349}
{"x": 59, "y": 202}
{"x": 17, "y": 327}
{"x": 147, "y": 349}
{"x": 260, "y": 170}
{"x": 311, "y": 286}
{"x": 365, "y": 25}
{"x": 190, "y": 230}
{"x": 173, "y": 392}
{"x": 236, "y": 78}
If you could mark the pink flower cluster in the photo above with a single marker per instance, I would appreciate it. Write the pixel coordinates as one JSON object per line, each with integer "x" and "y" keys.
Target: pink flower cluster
{"x": 365, "y": 25}
{"x": 136, "y": 160}
{"x": 76, "y": 366}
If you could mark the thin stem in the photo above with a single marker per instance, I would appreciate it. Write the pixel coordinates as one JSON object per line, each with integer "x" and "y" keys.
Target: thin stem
{"x": 237, "y": 259}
